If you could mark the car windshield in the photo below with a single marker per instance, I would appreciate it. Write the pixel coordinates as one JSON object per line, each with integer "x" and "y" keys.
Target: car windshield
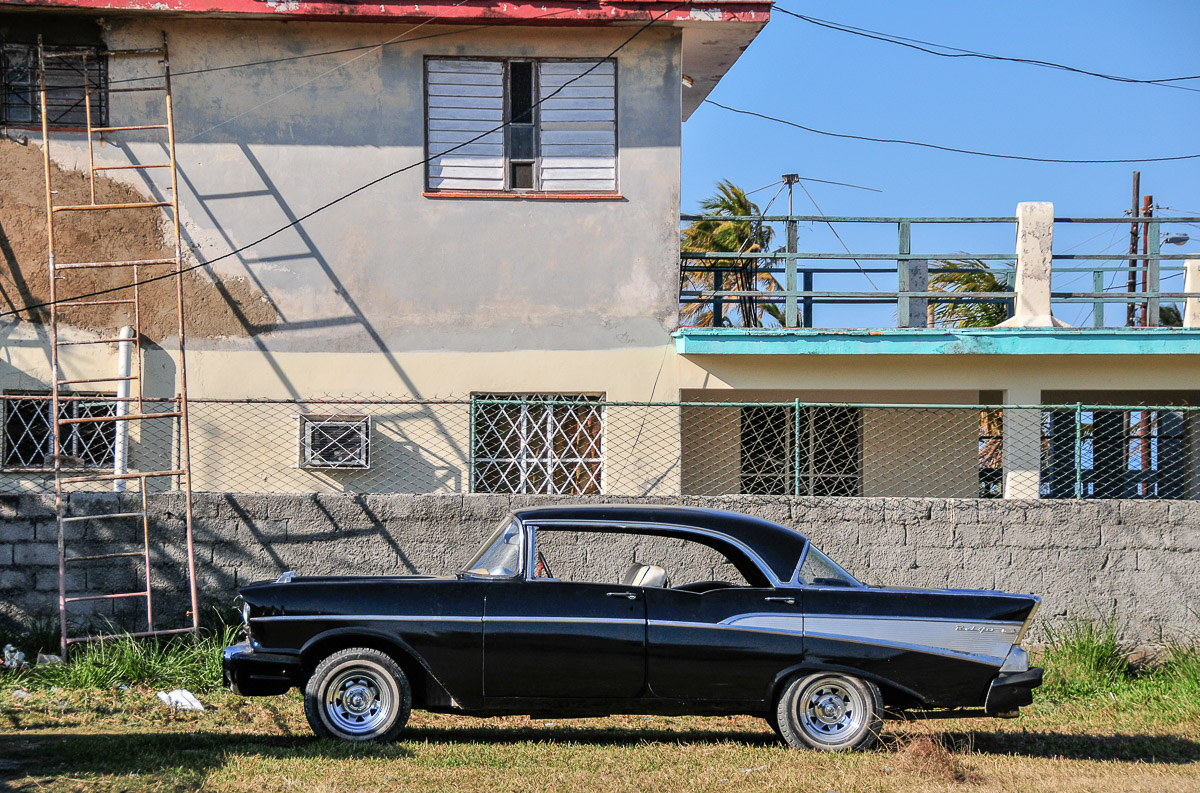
{"x": 501, "y": 554}
{"x": 820, "y": 570}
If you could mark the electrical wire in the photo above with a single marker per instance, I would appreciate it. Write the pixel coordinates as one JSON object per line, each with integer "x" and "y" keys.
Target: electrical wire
{"x": 955, "y": 52}
{"x": 344, "y": 196}
{"x": 848, "y": 136}
{"x": 835, "y": 233}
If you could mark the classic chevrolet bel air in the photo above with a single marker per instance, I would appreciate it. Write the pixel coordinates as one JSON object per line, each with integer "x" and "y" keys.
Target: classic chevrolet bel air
{"x": 776, "y": 629}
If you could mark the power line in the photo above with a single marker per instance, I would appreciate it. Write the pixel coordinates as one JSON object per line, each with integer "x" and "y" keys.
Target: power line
{"x": 355, "y": 191}
{"x": 945, "y": 51}
{"x": 948, "y": 148}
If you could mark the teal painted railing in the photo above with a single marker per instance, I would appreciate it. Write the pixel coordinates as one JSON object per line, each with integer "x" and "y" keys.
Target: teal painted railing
{"x": 749, "y": 287}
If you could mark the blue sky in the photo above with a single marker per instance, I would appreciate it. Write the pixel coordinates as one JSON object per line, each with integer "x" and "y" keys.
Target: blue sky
{"x": 836, "y": 81}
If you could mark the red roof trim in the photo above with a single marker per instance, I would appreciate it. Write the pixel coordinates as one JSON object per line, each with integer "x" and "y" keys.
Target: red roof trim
{"x": 555, "y": 12}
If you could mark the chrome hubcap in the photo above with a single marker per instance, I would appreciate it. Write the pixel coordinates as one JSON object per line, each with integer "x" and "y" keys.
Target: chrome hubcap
{"x": 829, "y": 711}
{"x": 358, "y": 702}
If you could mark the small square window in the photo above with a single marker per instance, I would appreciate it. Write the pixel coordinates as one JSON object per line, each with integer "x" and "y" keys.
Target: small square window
{"x": 335, "y": 441}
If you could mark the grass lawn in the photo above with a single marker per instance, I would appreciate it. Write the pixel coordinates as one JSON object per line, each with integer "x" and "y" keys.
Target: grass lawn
{"x": 1139, "y": 739}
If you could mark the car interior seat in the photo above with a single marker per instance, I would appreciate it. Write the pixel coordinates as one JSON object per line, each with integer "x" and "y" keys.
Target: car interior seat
{"x": 645, "y": 575}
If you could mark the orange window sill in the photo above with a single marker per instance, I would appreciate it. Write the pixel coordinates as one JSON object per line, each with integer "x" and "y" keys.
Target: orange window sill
{"x": 523, "y": 195}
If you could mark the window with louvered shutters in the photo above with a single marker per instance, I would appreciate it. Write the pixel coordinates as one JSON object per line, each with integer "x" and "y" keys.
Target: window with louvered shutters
{"x": 465, "y": 99}
{"x": 578, "y": 126}
{"x": 559, "y": 125}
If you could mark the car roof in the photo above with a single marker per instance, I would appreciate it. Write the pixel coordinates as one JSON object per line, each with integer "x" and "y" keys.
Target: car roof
{"x": 778, "y": 546}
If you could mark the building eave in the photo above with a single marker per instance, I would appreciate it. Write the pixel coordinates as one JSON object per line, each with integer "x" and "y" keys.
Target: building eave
{"x": 939, "y": 341}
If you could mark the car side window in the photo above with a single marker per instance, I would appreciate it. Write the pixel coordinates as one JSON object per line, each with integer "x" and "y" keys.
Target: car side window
{"x": 599, "y": 557}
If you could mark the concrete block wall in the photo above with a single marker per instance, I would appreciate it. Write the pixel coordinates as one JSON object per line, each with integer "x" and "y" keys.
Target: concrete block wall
{"x": 1139, "y": 559}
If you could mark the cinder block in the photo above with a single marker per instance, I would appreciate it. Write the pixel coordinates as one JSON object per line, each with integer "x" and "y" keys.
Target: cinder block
{"x": 12, "y": 580}
{"x": 35, "y": 554}
{"x": 17, "y": 530}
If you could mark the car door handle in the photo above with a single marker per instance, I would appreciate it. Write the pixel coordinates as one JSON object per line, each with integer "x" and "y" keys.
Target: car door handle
{"x": 629, "y": 595}
{"x": 789, "y": 601}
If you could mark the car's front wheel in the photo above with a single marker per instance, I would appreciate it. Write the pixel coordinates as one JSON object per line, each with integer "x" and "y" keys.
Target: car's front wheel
{"x": 829, "y": 711}
{"x": 358, "y": 694}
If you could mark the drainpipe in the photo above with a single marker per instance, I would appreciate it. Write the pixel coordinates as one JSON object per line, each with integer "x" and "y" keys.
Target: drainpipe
{"x": 121, "y": 429}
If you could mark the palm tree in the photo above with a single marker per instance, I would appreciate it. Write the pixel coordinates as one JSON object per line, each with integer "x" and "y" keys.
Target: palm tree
{"x": 968, "y": 277}
{"x": 714, "y": 234}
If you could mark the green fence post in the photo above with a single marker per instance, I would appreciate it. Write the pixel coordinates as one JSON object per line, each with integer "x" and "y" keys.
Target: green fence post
{"x": 796, "y": 448}
{"x": 471, "y": 446}
{"x": 1078, "y": 450}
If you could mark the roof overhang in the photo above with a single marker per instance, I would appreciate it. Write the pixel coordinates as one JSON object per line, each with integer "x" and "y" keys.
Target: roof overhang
{"x": 715, "y": 33}
{"x": 939, "y": 341}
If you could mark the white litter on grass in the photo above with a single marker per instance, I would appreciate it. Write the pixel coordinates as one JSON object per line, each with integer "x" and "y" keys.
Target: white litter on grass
{"x": 21, "y": 693}
{"x": 49, "y": 660}
{"x": 180, "y": 699}
{"x": 13, "y": 658}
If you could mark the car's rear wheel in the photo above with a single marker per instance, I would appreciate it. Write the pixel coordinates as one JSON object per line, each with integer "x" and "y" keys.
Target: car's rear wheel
{"x": 829, "y": 711}
{"x": 358, "y": 694}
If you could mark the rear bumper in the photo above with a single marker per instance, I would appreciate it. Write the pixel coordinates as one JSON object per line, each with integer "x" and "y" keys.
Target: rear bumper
{"x": 1011, "y": 691}
{"x": 257, "y": 674}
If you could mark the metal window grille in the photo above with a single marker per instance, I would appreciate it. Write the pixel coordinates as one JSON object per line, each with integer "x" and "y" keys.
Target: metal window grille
{"x": 65, "y": 80}
{"x": 28, "y": 442}
{"x": 1098, "y": 453}
{"x": 538, "y": 443}
{"x": 335, "y": 441}
{"x": 811, "y": 451}
{"x": 991, "y": 453}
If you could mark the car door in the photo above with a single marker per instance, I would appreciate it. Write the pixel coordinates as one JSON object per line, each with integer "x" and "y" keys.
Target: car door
{"x": 549, "y": 638}
{"x": 727, "y": 644}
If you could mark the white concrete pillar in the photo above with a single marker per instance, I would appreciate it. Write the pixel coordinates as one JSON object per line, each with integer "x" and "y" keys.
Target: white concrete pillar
{"x": 1035, "y": 248}
{"x": 1191, "y": 284}
{"x": 913, "y": 312}
{"x": 1022, "y": 443}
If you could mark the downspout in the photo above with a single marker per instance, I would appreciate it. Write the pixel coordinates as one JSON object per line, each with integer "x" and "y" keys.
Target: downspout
{"x": 121, "y": 430}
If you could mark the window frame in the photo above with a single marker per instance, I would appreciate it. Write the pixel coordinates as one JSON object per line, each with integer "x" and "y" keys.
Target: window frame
{"x": 508, "y": 191}
{"x": 810, "y": 474}
{"x": 74, "y": 434}
{"x": 525, "y": 461}
{"x": 97, "y": 64}
{"x": 305, "y": 453}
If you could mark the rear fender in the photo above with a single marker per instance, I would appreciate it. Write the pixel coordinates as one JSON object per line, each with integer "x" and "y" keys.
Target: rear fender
{"x": 809, "y": 668}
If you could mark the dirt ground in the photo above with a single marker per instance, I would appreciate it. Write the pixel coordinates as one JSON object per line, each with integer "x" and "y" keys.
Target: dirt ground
{"x": 232, "y": 307}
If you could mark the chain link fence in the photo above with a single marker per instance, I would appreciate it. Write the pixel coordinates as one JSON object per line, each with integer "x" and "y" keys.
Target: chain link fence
{"x": 577, "y": 445}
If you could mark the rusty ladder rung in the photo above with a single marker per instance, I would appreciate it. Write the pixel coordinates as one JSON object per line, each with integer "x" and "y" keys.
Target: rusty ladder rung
{"x": 131, "y": 167}
{"x": 113, "y": 477}
{"x": 91, "y": 341}
{"x": 126, "y": 263}
{"x": 90, "y": 207}
{"x": 138, "y": 635}
{"x": 142, "y": 594}
{"x": 80, "y": 303}
{"x": 129, "y": 128}
{"x": 97, "y": 379}
{"x": 96, "y": 557}
{"x": 76, "y": 518}
{"x": 127, "y": 417}
{"x": 106, "y": 53}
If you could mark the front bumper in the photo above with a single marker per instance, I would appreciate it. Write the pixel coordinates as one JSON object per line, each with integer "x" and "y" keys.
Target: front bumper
{"x": 256, "y": 674}
{"x": 1011, "y": 691}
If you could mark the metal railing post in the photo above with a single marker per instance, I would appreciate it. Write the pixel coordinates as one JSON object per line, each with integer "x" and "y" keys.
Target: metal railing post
{"x": 789, "y": 310}
{"x": 1153, "y": 249}
{"x": 1098, "y": 304}
{"x": 1078, "y": 450}
{"x": 903, "y": 301}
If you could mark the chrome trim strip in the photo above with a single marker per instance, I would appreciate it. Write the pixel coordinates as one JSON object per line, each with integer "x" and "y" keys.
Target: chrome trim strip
{"x": 960, "y": 620}
{"x": 755, "y": 559}
{"x": 372, "y": 617}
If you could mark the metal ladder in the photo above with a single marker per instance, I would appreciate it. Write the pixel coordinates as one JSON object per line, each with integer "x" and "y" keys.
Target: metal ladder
{"x": 130, "y": 407}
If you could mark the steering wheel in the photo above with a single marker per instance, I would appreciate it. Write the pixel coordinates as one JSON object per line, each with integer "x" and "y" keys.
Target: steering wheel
{"x": 542, "y": 569}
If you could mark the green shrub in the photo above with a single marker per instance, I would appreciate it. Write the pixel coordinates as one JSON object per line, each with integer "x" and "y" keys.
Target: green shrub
{"x": 1084, "y": 656}
{"x": 184, "y": 661}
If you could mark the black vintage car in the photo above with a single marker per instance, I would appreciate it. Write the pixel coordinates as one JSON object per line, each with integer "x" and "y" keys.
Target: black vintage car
{"x": 774, "y": 628}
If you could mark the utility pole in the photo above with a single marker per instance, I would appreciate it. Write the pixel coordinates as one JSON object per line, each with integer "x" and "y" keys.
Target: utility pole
{"x": 1131, "y": 285}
